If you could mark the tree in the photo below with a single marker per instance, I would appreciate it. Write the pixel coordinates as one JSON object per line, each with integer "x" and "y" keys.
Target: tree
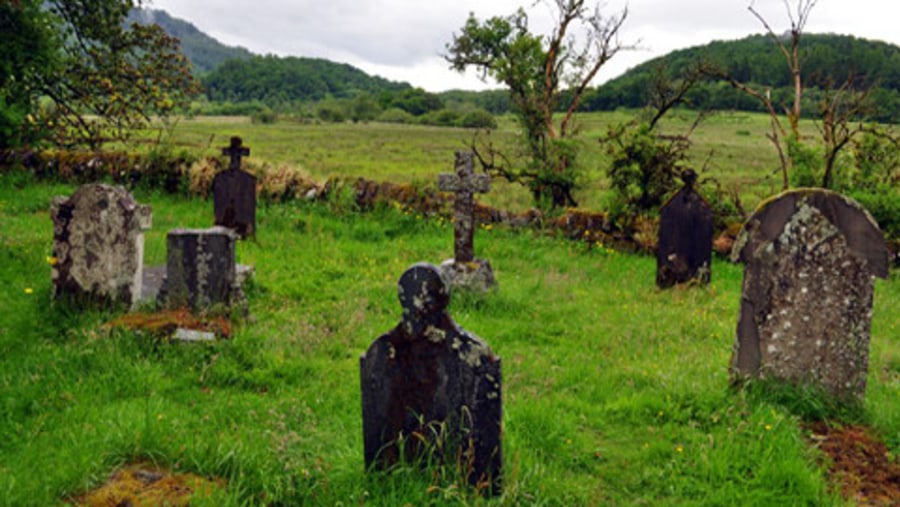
{"x": 27, "y": 46}
{"x": 535, "y": 68}
{"x": 103, "y": 80}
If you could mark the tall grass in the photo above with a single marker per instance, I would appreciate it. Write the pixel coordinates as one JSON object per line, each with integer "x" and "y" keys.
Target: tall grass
{"x": 615, "y": 393}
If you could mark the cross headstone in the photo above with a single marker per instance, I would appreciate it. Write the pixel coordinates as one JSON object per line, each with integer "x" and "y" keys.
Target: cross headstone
{"x": 684, "y": 249}
{"x": 428, "y": 379}
{"x": 98, "y": 244}
{"x": 464, "y": 183}
{"x": 810, "y": 258}
{"x": 200, "y": 269}
{"x": 234, "y": 193}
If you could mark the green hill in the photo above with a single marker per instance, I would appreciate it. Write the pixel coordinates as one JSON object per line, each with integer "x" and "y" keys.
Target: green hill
{"x": 274, "y": 79}
{"x": 204, "y": 52}
{"x": 826, "y": 58}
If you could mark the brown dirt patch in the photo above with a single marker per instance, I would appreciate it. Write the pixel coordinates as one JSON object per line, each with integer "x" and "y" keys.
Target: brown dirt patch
{"x": 163, "y": 324}
{"x": 860, "y": 464}
{"x": 144, "y": 485}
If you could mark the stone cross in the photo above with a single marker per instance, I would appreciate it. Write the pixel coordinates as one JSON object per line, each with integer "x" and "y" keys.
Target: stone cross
{"x": 98, "y": 245}
{"x": 431, "y": 389}
{"x": 235, "y": 151}
{"x": 684, "y": 249}
{"x": 234, "y": 193}
{"x": 464, "y": 183}
{"x": 811, "y": 257}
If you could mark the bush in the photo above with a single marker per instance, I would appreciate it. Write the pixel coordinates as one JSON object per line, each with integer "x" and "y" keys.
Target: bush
{"x": 331, "y": 113}
{"x": 440, "y": 118}
{"x": 478, "y": 119}
{"x": 395, "y": 115}
{"x": 265, "y": 117}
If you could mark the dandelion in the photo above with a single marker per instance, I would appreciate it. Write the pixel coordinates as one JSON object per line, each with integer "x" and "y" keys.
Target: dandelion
{"x": 679, "y": 448}
{"x": 768, "y": 427}
{"x": 29, "y": 290}
{"x": 53, "y": 261}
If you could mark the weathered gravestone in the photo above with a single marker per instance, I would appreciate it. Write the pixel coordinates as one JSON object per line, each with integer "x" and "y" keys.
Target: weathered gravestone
{"x": 98, "y": 244}
{"x": 464, "y": 270}
{"x": 428, "y": 379}
{"x": 684, "y": 249}
{"x": 806, "y": 306}
{"x": 200, "y": 269}
{"x": 234, "y": 193}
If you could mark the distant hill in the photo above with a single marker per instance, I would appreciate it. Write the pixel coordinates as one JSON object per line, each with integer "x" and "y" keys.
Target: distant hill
{"x": 204, "y": 52}
{"x": 237, "y": 75}
{"x": 756, "y": 59}
{"x": 274, "y": 79}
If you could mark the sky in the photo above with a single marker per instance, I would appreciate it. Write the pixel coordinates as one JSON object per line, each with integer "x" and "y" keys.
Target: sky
{"x": 402, "y": 40}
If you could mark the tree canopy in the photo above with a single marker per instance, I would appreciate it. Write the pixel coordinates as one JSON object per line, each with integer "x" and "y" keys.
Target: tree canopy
{"x": 91, "y": 78}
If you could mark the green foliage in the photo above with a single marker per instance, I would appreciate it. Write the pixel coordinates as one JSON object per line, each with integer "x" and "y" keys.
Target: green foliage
{"x": 331, "y": 111}
{"x": 807, "y": 164}
{"x": 264, "y": 116}
{"x": 395, "y": 115}
{"x": 414, "y": 101}
{"x": 644, "y": 167}
{"x": 277, "y": 80}
{"x": 440, "y": 118}
{"x": 478, "y": 119}
{"x": 756, "y": 61}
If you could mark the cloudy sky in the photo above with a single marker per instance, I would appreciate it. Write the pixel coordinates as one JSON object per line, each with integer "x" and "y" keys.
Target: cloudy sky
{"x": 402, "y": 39}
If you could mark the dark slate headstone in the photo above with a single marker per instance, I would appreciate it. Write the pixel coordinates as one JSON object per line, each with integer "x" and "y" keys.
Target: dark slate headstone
{"x": 234, "y": 193}
{"x": 428, "y": 377}
{"x": 810, "y": 258}
{"x": 464, "y": 270}
{"x": 200, "y": 268}
{"x": 684, "y": 249}
{"x": 98, "y": 245}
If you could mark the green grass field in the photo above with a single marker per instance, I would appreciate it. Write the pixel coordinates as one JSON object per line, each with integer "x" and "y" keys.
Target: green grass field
{"x": 615, "y": 393}
{"x": 731, "y": 146}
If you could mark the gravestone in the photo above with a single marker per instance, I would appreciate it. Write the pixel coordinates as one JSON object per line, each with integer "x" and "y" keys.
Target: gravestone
{"x": 429, "y": 379}
{"x": 200, "y": 269}
{"x": 464, "y": 270}
{"x": 806, "y": 305}
{"x": 98, "y": 244}
{"x": 234, "y": 193}
{"x": 684, "y": 249}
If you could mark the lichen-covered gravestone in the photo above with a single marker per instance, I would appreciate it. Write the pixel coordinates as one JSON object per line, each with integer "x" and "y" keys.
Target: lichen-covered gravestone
{"x": 234, "y": 193}
{"x": 464, "y": 270}
{"x": 200, "y": 269}
{"x": 428, "y": 379}
{"x": 806, "y": 306}
{"x": 684, "y": 249}
{"x": 98, "y": 245}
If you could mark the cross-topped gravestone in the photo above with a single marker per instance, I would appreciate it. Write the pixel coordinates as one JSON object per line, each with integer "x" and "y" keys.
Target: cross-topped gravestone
{"x": 464, "y": 183}
{"x": 431, "y": 389}
{"x": 235, "y": 151}
{"x": 684, "y": 249}
{"x": 234, "y": 193}
{"x": 811, "y": 257}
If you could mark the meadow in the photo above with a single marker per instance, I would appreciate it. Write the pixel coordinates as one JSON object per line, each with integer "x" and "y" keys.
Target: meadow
{"x": 728, "y": 146}
{"x": 614, "y": 392}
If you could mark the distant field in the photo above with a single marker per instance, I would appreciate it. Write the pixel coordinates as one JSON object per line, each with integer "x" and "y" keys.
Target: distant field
{"x": 731, "y": 146}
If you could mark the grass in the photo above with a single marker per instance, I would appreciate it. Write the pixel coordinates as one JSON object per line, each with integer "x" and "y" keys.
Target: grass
{"x": 729, "y": 146}
{"x": 615, "y": 393}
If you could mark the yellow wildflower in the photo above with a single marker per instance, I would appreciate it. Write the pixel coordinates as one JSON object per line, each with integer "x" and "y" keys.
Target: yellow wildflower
{"x": 53, "y": 261}
{"x": 29, "y": 290}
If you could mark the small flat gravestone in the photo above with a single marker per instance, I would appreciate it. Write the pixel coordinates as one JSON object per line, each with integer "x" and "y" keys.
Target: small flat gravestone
{"x": 234, "y": 193}
{"x": 806, "y": 305}
{"x": 464, "y": 270}
{"x": 98, "y": 244}
{"x": 684, "y": 250}
{"x": 200, "y": 269}
{"x": 428, "y": 379}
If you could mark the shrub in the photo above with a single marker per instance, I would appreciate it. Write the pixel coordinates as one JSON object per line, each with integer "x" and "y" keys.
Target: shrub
{"x": 395, "y": 115}
{"x": 265, "y": 117}
{"x": 478, "y": 119}
{"x": 440, "y": 118}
